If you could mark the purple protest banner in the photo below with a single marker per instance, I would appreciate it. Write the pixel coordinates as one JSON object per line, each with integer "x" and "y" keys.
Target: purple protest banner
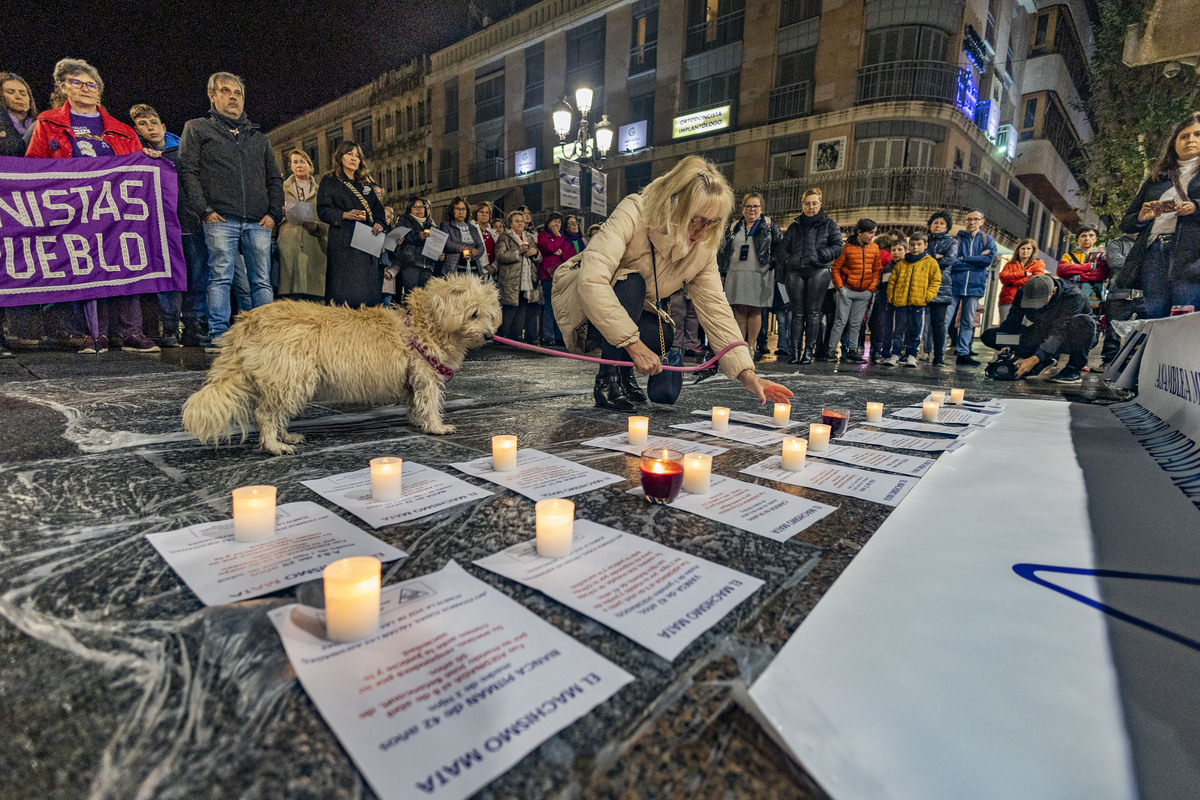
{"x": 82, "y": 228}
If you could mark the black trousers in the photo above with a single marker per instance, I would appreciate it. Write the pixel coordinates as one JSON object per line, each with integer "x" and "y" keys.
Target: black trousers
{"x": 806, "y": 293}
{"x": 1082, "y": 333}
{"x": 631, "y": 294}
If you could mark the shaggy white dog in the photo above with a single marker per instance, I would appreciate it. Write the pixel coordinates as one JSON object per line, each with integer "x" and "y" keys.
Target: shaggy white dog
{"x": 286, "y": 353}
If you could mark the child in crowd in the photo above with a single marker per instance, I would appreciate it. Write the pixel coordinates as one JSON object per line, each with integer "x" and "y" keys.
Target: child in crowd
{"x": 892, "y": 249}
{"x": 913, "y": 283}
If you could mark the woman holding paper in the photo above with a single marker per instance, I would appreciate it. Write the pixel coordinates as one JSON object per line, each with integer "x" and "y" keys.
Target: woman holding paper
{"x": 517, "y": 259}
{"x": 345, "y": 200}
{"x": 465, "y": 244}
{"x": 302, "y": 240}
{"x": 415, "y": 268}
{"x": 653, "y": 242}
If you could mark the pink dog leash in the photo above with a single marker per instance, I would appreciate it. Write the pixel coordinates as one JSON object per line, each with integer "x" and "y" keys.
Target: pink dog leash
{"x": 547, "y": 351}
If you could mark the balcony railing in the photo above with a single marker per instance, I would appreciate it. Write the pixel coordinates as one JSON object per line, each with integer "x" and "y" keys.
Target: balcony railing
{"x": 533, "y": 94}
{"x": 716, "y": 32}
{"x": 643, "y": 58}
{"x": 789, "y": 102}
{"x": 792, "y": 11}
{"x": 484, "y": 170}
{"x": 447, "y": 180}
{"x": 907, "y": 80}
{"x": 492, "y": 108}
{"x": 909, "y": 190}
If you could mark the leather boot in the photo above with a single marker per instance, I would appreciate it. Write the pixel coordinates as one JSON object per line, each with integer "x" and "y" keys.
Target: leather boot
{"x": 630, "y": 385}
{"x": 807, "y": 358}
{"x": 609, "y": 392}
{"x": 797, "y": 338}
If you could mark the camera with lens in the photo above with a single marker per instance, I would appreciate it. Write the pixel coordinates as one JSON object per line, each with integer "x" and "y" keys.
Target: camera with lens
{"x": 1003, "y": 367}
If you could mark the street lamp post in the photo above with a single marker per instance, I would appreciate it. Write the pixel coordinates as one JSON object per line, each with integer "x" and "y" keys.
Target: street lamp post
{"x": 578, "y": 149}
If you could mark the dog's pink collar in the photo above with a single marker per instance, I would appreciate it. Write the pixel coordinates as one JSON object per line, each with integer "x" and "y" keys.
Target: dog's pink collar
{"x": 441, "y": 368}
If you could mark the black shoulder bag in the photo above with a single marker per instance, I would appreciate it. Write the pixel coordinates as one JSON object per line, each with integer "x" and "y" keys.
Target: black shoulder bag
{"x": 666, "y": 385}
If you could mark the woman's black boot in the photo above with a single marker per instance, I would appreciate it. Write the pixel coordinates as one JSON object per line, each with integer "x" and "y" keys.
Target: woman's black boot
{"x": 609, "y": 392}
{"x": 807, "y": 358}
{"x": 630, "y": 385}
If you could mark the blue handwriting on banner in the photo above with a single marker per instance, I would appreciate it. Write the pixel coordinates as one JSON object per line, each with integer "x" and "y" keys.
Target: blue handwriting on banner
{"x": 1174, "y": 451}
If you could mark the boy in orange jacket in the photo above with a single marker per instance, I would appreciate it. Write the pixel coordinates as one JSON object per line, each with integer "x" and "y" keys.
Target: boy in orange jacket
{"x": 855, "y": 274}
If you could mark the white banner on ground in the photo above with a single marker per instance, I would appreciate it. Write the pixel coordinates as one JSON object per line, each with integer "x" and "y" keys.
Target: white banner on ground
{"x": 659, "y": 597}
{"x": 1169, "y": 376}
{"x": 599, "y": 193}
{"x": 457, "y": 686}
{"x": 568, "y": 184}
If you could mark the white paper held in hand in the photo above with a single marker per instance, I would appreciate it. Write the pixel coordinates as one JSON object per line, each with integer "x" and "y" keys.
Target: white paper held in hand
{"x": 435, "y": 244}
{"x": 366, "y": 241}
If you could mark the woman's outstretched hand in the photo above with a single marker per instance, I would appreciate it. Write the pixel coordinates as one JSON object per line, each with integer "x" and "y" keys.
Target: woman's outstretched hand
{"x": 764, "y": 390}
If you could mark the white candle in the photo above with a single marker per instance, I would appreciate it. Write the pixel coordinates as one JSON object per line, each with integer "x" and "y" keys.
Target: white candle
{"x": 697, "y": 473}
{"x": 818, "y": 437}
{"x": 929, "y": 411}
{"x": 938, "y": 397}
{"x": 504, "y": 453}
{"x": 720, "y": 418}
{"x": 253, "y": 513}
{"x": 956, "y": 396}
{"x": 554, "y": 522}
{"x": 639, "y": 428}
{"x": 794, "y": 451}
{"x": 783, "y": 413}
{"x": 351, "y": 598}
{"x": 386, "y": 478}
{"x": 874, "y": 412}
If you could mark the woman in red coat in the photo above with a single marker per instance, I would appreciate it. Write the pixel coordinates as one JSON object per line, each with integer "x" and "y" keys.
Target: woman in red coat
{"x": 81, "y": 128}
{"x": 1017, "y": 271}
{"x": 555, "y": 250}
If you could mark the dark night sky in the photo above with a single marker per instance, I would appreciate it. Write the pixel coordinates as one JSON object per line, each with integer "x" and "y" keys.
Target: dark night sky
{"x": 294, "y": 55}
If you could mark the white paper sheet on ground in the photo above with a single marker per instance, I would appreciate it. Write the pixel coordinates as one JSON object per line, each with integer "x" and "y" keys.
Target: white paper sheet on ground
{"x": 659, "y": 597}
{"x": 876, "y": 459}
{"x": 878, "y": 487}
{"x": 1011, "y": 688}
{"x": 366, "y": 241}
{"x": 923, "y": 427}
{"x": 425, "y": 491}
{"x": 990, "y": 407}
{"x": 750, "y": 419}
{"x": 435, "y": 244}
{"x": 540, "y": 476}
{"x": 307, "y": 538}
{"x": 457, "y": 686}
{"x": 749, "y": 507}
{"x": 898, "y": 440}
{"x": 393, "y": 237}
{"x": 299, "y": 212}
{"x": 620, "y": 442}
{"x": 953, "y": 416}
{"x": 736, "y": 433}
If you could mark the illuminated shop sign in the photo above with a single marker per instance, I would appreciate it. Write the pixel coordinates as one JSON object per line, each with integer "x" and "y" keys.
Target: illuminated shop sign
{"x": 631, "y": 137}
{"x": 525, "y": 161}
{"x": 694, "y": 124}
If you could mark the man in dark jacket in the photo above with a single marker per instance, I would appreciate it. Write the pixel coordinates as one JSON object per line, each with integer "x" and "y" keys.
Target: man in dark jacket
{"x": 1051, "y": 317}
{"x": 232, "y": 183}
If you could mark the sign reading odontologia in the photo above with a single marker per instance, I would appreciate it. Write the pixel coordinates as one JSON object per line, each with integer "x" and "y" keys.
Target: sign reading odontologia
{"x": 80, "y": 228}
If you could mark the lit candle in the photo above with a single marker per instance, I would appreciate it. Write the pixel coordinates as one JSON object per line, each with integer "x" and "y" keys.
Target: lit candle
{"x": 874, "y": 412}
{"x": 253, "y": 513}
{"x": 504, "y": 453}
{"x": 639, "y": 427}
{"x": 938, "y": 397}
{"x": 818, "y": 437}
{"x": 794, "y": 451}
{"x": 662, "y": 475}
{"x": 386, "y": 475}
{"x": 351, "y": 598}
{"x": 555, "y": 525}
{"x": 783, "y": 413}
{"x": 720, "y": 418}
{"x": 929, "y": 411}
{"x": 956, "y": 396}
{"x": 697, "y": 473}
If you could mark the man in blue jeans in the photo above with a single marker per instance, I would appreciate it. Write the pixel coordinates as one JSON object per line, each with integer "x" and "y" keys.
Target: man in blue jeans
{"x": 969, "y": 277}
{"x": 233, "y": 185}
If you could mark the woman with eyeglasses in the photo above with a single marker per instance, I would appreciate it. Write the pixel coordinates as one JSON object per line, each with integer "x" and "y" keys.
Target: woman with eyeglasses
{"x": 81, "y": 128}
{"x": 465, "y": 243}
{"x": 807, "y": 252}
{"x": 651, "y": 245}
{"x": 415, "y": 268}
{"x": 345, "y": 199}
{"x": 746, "y": 262}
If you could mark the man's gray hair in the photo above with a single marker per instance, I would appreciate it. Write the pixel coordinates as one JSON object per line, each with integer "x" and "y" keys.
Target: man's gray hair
{"x": 67, "y": 67}
{"x": 224, "y": 77}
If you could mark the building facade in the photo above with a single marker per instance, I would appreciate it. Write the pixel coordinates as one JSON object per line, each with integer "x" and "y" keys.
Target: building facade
{"x": 894, "y": 108}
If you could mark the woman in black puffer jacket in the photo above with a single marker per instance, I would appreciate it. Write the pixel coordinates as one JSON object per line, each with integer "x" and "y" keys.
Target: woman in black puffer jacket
{"x": 810, "y": 245}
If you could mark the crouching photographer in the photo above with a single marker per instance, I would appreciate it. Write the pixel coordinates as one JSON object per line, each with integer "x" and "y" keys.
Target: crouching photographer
{"x": 1049, "y": 317}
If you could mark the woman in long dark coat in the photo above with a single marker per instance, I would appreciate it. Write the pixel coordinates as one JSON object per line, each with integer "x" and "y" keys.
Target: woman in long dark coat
{"x": 344, "y": 198}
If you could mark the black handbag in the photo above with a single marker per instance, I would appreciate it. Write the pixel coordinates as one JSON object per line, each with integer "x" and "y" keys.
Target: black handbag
{"x": 666, "y": 385}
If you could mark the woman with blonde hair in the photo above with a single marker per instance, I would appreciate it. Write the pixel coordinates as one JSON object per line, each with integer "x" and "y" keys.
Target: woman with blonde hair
{"x": 653, "y": 243}
{"x": 302, "y": 239}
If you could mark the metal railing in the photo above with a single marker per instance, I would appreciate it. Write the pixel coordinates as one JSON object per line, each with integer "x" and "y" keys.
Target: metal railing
{"x": 793, "y": 11}
{"x": 492, "y": 108}
{"x": 447, "y": 179}
{"x": 643, "y": 58}
{"x": 907, "y": 80}
{"x": 901, "y": 188}
{"x": 716, "y": 32}
{"x": 484, "y": 170}
{"x": 789, "y": 102}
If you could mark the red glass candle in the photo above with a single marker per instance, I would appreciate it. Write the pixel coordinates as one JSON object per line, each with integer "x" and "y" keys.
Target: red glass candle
{"x": 662, "y": 475}
{"x": 838, "y": 419}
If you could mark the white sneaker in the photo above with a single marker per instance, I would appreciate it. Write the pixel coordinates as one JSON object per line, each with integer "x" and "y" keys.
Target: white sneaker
{"x": 891, "y": 361}
{"x": 911, "y": 361}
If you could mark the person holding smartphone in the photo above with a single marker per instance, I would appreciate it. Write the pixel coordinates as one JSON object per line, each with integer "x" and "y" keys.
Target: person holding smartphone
{"x": 745, "y": 260}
